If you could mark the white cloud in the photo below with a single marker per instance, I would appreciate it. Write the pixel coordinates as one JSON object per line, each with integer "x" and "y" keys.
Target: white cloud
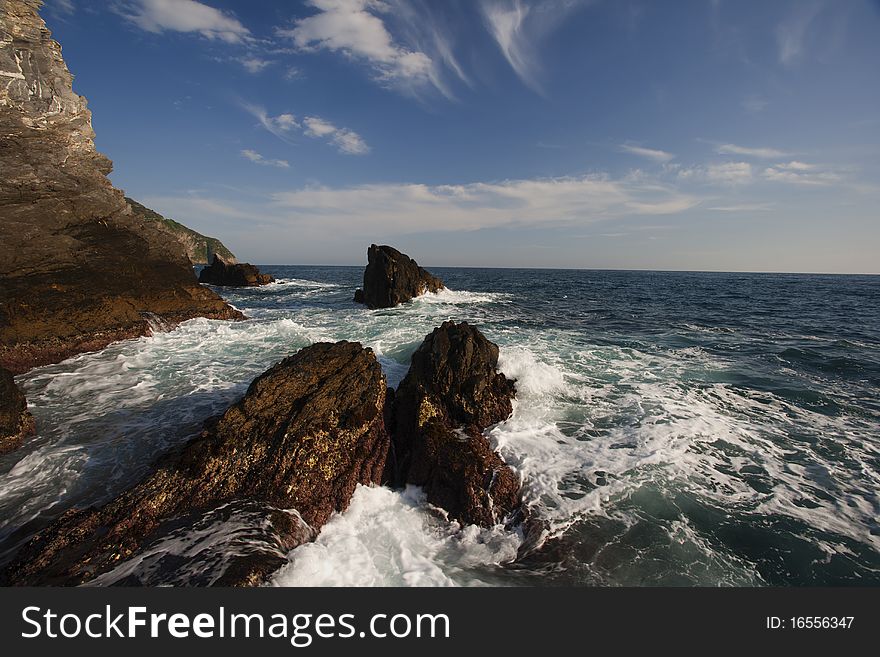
{"x": 744, "y": 151}
{"x": 649, "y": 153}
{"x": 519, "y": 27}
{"x": 254, "y": 64}
{"x": 347, "y": 141}
{"x": 185, "y": 16}
{"x": 354, "y": 28}
{"x": 256, "y": 158}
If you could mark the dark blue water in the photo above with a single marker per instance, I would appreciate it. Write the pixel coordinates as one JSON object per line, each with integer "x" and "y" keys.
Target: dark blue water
{"x": 671, "y": 428}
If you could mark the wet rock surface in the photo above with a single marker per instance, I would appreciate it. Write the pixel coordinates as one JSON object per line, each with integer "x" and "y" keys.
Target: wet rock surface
{"x": 306, "y": 433}
{"x": 392, "y": 278}
{"x": 78, "y": 269}
{"x": 451, "y": 394}
{"x": 233, "y": 274}
{"x": 15, "y": 421}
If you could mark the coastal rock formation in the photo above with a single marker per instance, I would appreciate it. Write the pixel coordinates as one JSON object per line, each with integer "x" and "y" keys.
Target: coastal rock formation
{"x": 305, "y": 434}
{"x": 78, "y": 269}
{"x": 450, "y": 395}
{"x": 199, "y": 248}
{"x": 233, "y": 274}
{"x": 15, "y": 421}
{"x": 392, "y": 278}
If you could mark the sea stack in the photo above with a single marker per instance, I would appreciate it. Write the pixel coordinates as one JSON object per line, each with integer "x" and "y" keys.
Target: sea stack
{"x": 233, "y": 274}
{"x": 450, "y": 395}
{"x": 306, "y": 433}
{"x": 15, "y": 421}
{"x": 392, "y": 278}
{"x": 78, "y": 270}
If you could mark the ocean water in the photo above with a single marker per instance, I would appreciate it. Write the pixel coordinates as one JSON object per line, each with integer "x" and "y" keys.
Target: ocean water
{"x": 670, "y": 429}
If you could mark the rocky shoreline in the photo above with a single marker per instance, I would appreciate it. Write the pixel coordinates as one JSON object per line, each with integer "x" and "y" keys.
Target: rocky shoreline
{"x": 306, "y": 433}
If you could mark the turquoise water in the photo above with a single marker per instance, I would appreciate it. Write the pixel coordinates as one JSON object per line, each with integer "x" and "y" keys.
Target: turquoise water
{"x": 670, "y": 428}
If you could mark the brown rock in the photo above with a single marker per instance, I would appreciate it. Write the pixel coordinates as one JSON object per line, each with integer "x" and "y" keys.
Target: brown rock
{"x": 77, "y": 269}
{"x": 233, "y": 274}
{"x": 15, "y": 421}
{"x": 392, "y": 278}
{"x": 451, "y": 394}
{"x": 305, "y": 434}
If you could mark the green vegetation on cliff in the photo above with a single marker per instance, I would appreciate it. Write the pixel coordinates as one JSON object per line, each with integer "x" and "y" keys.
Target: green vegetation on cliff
{"x": 199, "y": 248}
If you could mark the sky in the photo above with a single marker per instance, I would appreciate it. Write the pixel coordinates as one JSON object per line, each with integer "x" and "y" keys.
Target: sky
{"x": 730, "y": 135}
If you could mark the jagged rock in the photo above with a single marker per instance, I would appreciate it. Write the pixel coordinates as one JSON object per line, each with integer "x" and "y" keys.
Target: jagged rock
{"x": 77, "y": 269}
{"x": 200, "y": 249}
{"x": 15, "y": 421}
{"x": 233, "y": 274}
{"x": 392, "y": 278}
{"x": 305, "y": 434}
{"x": 450, "y": 395}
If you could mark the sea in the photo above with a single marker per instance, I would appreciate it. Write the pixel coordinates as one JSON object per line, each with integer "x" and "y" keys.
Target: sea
{"x": 670, "y": 429}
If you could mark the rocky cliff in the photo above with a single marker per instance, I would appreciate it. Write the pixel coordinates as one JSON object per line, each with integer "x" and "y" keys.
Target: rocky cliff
{"x": 78, "y": 269}
{"x": 199, "y": 248}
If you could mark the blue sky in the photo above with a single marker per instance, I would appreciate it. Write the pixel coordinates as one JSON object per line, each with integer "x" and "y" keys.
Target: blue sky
{"x": 631, "y": 134}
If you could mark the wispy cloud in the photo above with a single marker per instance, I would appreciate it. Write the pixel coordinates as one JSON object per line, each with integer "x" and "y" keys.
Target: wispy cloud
{"x": 62, "y": 6}
{"x": 256, "y": 158}
{"x": 184, "y": 16}
{"x": 792, "y": 33}
{"x": 413, "y": 208}
{"x": 723, "y": 173}
{"x": 282, "y": 126}
{"x": 802, "y": 173}
{"x": 519, "y": 27}
{"x": 745, "y": 151}
{"x": 347, "y": 141}
{"x": 754, "y": 105}
{"x": 356, "y": 29}
{"x": 285, "y": 126}
{"x": 649, "y": 153}
{"x": 254, "y": 64}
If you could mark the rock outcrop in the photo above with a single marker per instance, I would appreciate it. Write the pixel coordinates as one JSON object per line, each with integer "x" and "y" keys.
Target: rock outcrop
{"x": 15, "y": 421}
{"x": 305, "y": 434}
{"x": 392, "y": 278}
{"x": 200, "y": 249}
{"x": 233, "y": 274}
{"x": 450, "y": 395}
{"x": 78, "y": 269}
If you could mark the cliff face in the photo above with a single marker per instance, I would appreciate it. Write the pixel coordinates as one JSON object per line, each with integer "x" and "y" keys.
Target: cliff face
{"x": 199, "y": 248}
{"x": 78, "y": 269}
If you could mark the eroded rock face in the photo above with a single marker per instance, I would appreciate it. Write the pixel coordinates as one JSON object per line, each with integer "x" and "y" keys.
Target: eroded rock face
{"x": 451, "y": 394}
{"x": 233, "y": 274}
{"x": 15, "y": 421}
{"x": 392, "y": 278}
{"x": 306, "y": 433}
{"x": 77, "y": 269}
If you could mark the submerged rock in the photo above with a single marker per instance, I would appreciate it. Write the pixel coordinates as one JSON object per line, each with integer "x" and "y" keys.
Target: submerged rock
{"x": 233, "y": 274}
{"x": 78, "y": 270}
{"x": 306, "y": 433}
{"x": 15, "y": 421}
{"x": 392, "y": 278}
{"x": 451, "y": 394}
